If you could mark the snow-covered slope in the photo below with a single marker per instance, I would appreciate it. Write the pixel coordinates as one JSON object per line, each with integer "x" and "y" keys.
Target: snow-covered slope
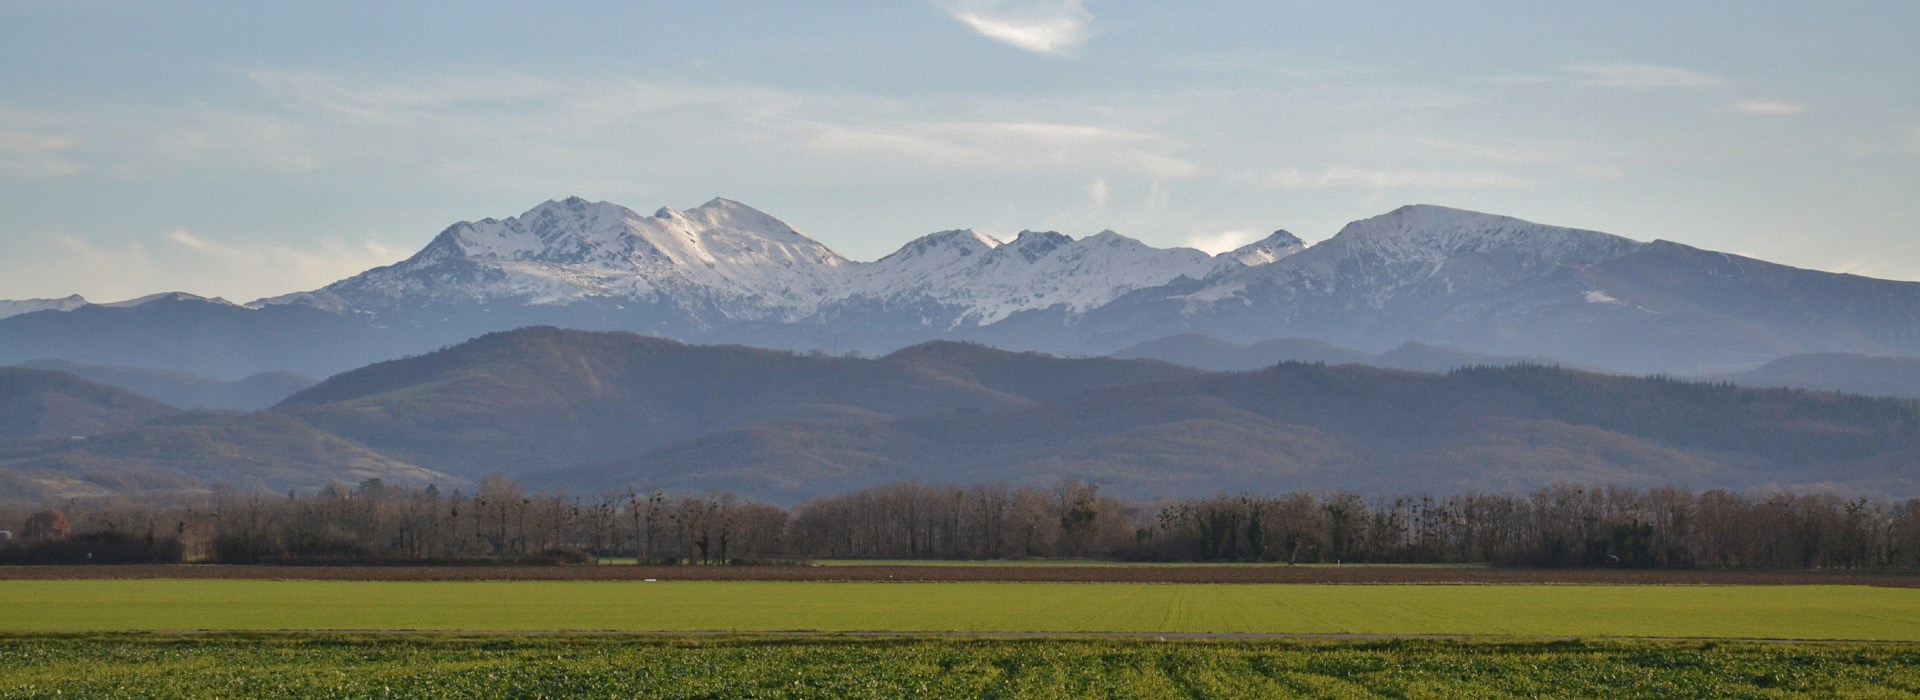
{"x": 1421, "y": 250}
{"x": 726, "y": 273}
{"x": 730, "y": 261}
{"x": 27, "y": 306}
{"x": 722, "y": 255}
{"x": 1267, "y": 250}
{"x": 167, "y": 297}
{"x": 984, "y": 281}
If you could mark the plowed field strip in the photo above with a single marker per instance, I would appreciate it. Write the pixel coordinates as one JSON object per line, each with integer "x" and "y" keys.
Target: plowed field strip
{"x": 974, "y": 573}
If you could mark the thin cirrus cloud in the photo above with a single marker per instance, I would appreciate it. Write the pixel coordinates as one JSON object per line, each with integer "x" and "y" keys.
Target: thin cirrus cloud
{"x": 1767, "y": 108}
{"x": 29, "y": 151}
{"x": 1046, "y": 27}
{"x": 552, "y": 127}
{"x": 1392, "y": 178}
{"x": 1640, "y": 76}
{"x": 258, "y": 269}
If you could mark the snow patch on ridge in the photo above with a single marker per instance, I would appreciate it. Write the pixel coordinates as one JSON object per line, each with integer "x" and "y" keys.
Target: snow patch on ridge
{"x": 12, "y": 307}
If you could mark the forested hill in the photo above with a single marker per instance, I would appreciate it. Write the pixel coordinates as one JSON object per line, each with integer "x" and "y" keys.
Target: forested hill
{"x": 591, "y": 411}
{"x": 1346, "y": 427}
{"x": 526, "y": 401}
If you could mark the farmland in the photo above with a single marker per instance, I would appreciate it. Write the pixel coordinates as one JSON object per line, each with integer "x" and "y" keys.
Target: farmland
{"x": 683, "y": 667}
{"x": 1013, "y": 571}
{"x": 1749, "y": 612}
{"x": 982, "y": 631}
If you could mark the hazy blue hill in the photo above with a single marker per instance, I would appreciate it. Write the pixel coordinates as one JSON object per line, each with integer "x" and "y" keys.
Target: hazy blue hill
{"x": 185, "y": 390}
{"x": 1213, "y": 354}
{"x": 47, "y": 404}
{"x": 1854, "y": 374}
{"x": 205, "y": 337}
{"x": 1216, "y": 355}
{"x": 1421, "y": 357}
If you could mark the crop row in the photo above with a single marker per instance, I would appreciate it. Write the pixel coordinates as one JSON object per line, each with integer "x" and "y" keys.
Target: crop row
{"x": 327, "y": 665}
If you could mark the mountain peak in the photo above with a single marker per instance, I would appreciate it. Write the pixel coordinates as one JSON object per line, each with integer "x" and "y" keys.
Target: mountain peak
{"x": 960, "y": 242}
{"x": 1275, "y": 246}
{"x": 171, "y": 297}
{"x": 10, "y": 307}
{"x": 721, "y": 213}
{"x": 1431, "y": 231}
{"x": 719, "y": 255}
{"x": 1033, "y": 245}
{"x": 1110, "y": 237}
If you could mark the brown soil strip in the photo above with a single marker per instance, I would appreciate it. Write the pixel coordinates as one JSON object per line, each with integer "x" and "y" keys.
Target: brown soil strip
{"x": 1036, "y": 574}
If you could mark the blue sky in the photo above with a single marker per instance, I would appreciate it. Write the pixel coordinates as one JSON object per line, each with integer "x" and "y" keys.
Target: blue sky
{"x": 251, "y": 149}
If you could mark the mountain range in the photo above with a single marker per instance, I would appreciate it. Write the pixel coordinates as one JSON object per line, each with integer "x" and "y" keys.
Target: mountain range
{"x": 723, "y": 272}
{"x": 584, "y": 345}
{"x": 588, "y": 411}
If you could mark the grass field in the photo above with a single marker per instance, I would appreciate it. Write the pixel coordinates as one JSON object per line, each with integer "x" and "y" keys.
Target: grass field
{"x": 321, "y": 665}
{"x": 1730, "y": 612}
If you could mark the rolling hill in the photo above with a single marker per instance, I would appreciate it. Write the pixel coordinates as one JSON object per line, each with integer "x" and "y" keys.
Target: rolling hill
{"x": 1853, "y": 374}
{"x": 185, "y": 390}
{"x": 540, "y": 398}
{"x": 47, "y": 404}
{"x": 1350, "y": 427}
{"x": 198, "y": 450}
{"x": 590, "y": 411}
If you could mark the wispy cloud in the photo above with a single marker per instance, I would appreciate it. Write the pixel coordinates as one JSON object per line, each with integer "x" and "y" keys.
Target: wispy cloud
{"x": 12, "y": 141}
{"x": 1762, "y": 107}
{"x": 1341, "y": 176}
{"x": 29, "y": 150}
{"x": 1098, "y": 191}
{"x": 1218, "y": 242}
{"x": 1642, "y": 76}
{"x": 1005, "y": 145}
{"x": 546, "y": 131}
{"x": 1040, "y": 26}
{"x": 256, "y": 269}
{"x": 1525, "y": 79}
{"x": 180, "y": 260}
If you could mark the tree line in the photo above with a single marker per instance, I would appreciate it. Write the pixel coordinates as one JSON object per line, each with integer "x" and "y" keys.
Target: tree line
{"x": 499, "y": 521}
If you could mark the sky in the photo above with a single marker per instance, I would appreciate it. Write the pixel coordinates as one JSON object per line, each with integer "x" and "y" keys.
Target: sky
{"x": 251, "y": 149}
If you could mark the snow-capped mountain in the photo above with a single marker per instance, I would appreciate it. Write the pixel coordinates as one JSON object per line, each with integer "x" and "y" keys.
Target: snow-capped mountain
{"x": 978, "y": 281}
{"x": 724, "y": 272}
{"x": 1419, "y": 253}
{"x": 724, "y": 262}
{"x": 173, "y": 297}
{"x": 1279, "y": 245}
{"x": 27, "y": 306}
{"x": 72, "y": 302}
{"x": 1502, "y": 286}
{"x": 722, "y": 255}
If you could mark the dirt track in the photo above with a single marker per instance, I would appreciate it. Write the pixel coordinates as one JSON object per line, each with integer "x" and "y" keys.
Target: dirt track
{"x": 1030, "y": 573}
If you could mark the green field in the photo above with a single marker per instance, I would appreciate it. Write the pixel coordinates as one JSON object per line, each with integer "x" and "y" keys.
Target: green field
{"x": 1750, "y": 612}
{"x": 322, "y": 665}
